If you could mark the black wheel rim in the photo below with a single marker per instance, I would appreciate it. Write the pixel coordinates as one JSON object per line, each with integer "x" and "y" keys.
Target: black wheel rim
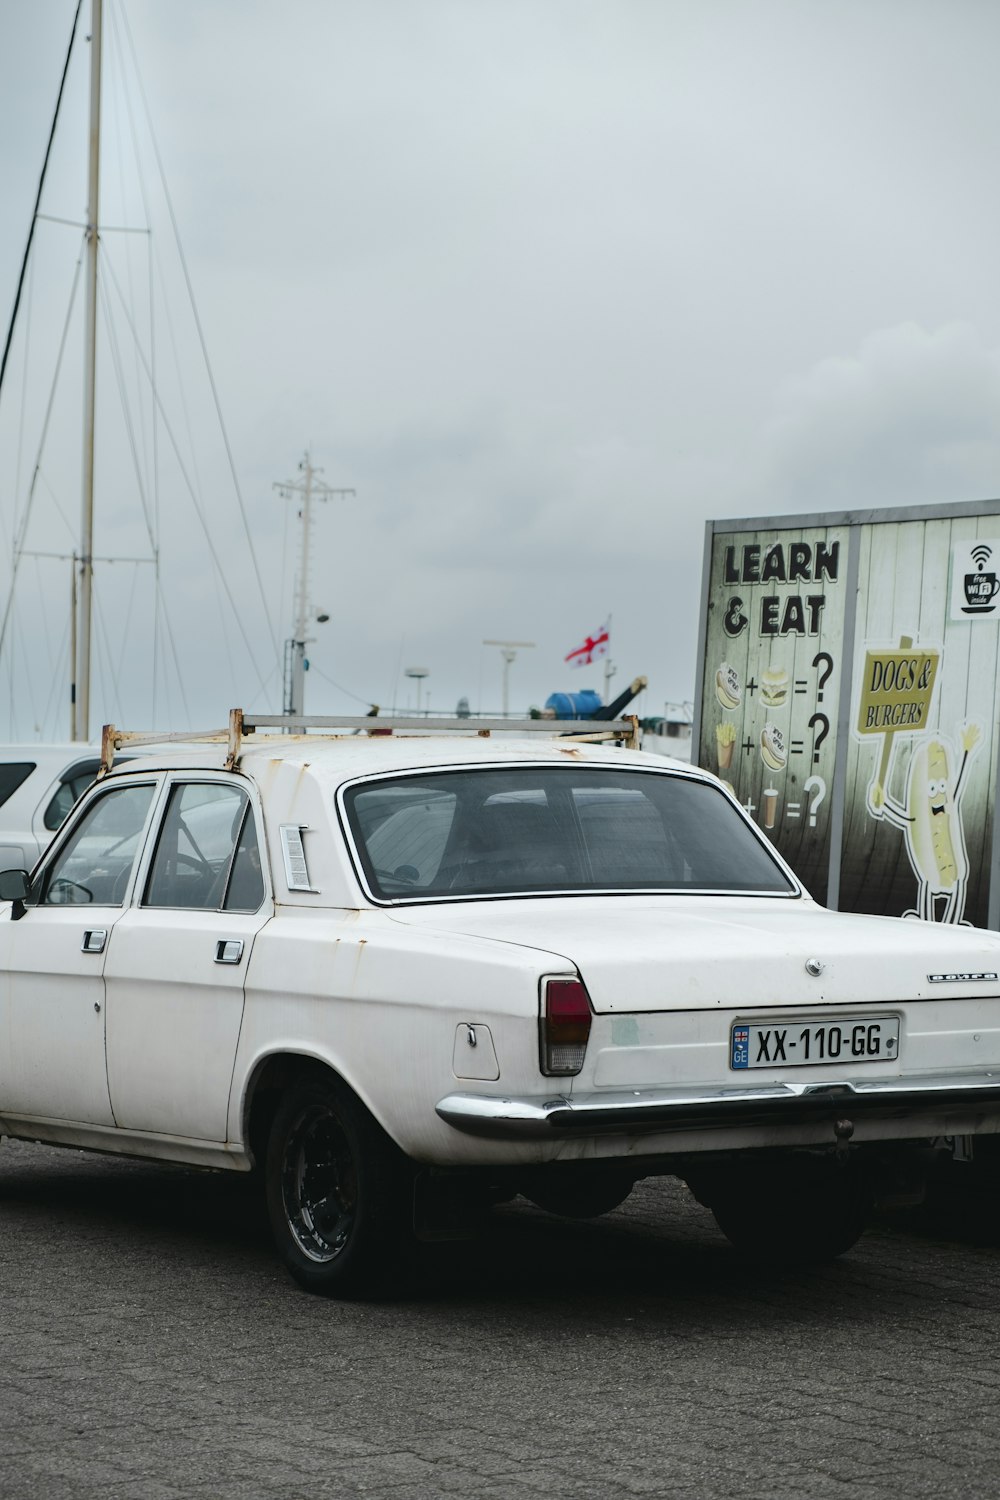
{"x": 319, "y": 1184}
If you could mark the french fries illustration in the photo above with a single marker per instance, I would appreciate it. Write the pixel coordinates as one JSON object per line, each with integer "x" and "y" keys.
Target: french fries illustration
{"x": 931, "y": 823}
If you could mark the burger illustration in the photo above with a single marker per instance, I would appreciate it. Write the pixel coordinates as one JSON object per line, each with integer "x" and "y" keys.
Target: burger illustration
{"x": 772, "y": 748}
{"x": 728, "y": 688}
{"x": 774, "y": 687}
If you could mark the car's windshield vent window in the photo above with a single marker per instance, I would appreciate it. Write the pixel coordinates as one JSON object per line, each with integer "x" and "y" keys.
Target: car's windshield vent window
{"x": 574, "y": 829}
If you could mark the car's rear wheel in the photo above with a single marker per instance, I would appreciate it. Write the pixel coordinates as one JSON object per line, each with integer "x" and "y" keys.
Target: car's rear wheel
{"x": 339, "y": 1194}
{"x": 806, "y": 1214}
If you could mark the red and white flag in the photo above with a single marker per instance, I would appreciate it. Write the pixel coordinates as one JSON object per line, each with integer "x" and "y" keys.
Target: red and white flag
{"x": 594, "y": 646}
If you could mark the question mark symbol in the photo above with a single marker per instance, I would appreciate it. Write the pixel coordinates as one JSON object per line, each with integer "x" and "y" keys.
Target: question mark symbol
{"x": 819, "y": 785}
{"x": 821, "y": 733}
{"x": 825, "y": 675}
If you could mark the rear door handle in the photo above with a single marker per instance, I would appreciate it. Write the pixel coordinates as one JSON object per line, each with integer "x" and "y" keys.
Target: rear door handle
{"x": 229, "y": 950}
{"x": 94, "y": 940}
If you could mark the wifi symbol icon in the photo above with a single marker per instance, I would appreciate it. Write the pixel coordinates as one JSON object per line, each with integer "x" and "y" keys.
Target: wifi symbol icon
{"x": 981, "y": 587}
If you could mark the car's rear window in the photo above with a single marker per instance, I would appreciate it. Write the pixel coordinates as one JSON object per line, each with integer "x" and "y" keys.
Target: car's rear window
{"x": 545, "y": 829}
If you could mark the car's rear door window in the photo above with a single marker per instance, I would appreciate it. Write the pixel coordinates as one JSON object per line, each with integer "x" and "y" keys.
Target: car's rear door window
{"x": 206, "y": 853}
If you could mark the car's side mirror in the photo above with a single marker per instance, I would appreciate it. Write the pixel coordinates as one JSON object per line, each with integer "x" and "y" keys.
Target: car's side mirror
{"x": 15, "y": 886}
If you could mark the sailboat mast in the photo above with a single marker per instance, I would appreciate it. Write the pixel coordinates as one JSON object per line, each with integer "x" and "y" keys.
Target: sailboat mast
{"x": 80, "y": 709}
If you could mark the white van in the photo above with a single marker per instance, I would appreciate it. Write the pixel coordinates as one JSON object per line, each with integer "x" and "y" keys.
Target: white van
{"x": 38, "y": 786}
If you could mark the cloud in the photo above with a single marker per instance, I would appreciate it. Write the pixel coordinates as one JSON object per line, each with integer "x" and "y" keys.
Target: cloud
{"x": 912, "y": 417}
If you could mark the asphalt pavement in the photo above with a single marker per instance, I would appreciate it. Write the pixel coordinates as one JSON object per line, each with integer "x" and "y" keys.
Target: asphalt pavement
{"x": 152, "y": 1347}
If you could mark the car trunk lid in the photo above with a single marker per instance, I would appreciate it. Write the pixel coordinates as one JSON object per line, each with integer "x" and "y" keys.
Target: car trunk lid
{"x": 701, "y": 953}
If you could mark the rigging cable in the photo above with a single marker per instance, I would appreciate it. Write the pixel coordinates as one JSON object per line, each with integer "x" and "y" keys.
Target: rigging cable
{"x": 199, "y": 510}
{"x": 57, "y": 686}
{"x": 23, "y": 413}
{"x": 119, "y": 59}
{"x": 346, "y": 691}
{"x": 201, "y": 338}
{"x": 173, "y": 651}
{"x": 124, "y": 632}
{"x": 153, "y": 456}
{"x": 102, "y": 637}
{"x": 116, "y": 362}
{"x": 22, "y": 531}
{"x": 38, "y": 199}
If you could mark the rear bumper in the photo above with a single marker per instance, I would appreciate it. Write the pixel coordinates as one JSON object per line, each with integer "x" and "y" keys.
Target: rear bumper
{"x": 974, "y": 1096}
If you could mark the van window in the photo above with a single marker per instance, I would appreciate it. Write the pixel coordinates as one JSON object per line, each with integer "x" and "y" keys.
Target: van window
{"x": 73, "y": 782}
{"x": 13, "y": 773}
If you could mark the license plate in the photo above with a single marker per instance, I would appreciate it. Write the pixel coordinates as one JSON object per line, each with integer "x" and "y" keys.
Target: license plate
{"x": 796, "y": 1044}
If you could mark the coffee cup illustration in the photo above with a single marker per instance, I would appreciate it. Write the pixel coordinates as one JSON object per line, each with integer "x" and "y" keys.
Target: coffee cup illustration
{"x": 770, "y": 806}
{"x": 980, "y": 591}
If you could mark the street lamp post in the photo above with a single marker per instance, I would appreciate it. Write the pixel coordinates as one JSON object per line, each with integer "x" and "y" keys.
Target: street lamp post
{"x": 418, "y": 674}
{"x": 508, "y": 651}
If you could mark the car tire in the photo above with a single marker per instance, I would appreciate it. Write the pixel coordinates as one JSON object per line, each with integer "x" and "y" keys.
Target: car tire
{"x": 339, "y": 1193}
{"x": 804, "y": 1216}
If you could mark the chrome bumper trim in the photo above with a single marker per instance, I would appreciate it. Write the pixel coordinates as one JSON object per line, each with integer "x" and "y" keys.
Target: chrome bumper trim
{"x": 721, "y": 1108}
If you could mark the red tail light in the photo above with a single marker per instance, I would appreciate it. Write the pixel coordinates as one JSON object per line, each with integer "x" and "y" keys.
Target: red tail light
{"x": 566, "y": 1018}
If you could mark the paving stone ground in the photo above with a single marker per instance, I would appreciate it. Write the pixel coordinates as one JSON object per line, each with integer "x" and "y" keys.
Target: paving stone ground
{"x": 151, "y": 1347}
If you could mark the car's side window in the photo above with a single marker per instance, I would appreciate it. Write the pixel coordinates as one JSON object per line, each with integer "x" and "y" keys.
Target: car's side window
{"x": 202, "y": 845}
{"x": 94, "y": 866}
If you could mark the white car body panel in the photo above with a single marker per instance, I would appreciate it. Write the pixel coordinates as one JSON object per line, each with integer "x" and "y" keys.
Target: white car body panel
{"x": 52, "y": 1058}
{"x": 173, "y": 1018}
{"x": 379, "y": 990}
{"x": 377, "y": 1004}
{"x": 672, "y": 953}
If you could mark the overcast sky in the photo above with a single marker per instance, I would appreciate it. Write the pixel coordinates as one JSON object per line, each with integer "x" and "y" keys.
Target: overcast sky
{"x": 548, "y": 282}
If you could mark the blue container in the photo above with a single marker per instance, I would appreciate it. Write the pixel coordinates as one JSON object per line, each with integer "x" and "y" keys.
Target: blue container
{"x": 575, "y": 705}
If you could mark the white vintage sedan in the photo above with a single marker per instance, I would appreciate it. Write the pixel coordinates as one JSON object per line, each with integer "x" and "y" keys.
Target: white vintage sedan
{"x": 408, "y": 976}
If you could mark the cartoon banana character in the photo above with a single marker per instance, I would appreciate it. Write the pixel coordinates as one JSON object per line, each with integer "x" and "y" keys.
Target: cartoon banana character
{"x": 932, "y": 825}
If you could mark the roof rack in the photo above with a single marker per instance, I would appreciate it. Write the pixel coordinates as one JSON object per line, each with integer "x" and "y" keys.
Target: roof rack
{"x": 243, "y": 724}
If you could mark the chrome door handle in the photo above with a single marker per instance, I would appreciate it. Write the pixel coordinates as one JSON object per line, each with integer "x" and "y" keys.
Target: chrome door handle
{"x": 94, "y": 940}
{"x": 229, "y": 950}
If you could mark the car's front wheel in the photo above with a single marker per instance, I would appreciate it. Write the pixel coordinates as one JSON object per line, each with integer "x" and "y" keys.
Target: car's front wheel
{"x": 339, "y": 1195}
{"x": 798, "y": 1215}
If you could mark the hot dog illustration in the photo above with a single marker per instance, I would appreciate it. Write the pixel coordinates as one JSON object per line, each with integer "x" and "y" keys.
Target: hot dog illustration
{"x": 728, "y": 688}
{"x": 931, "y": 823}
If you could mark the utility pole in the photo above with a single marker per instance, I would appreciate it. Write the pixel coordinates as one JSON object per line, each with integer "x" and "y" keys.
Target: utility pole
{"x": 80, "y": 710}
{"x": 310, "y": 489}
{"x": 509, "y": 650}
